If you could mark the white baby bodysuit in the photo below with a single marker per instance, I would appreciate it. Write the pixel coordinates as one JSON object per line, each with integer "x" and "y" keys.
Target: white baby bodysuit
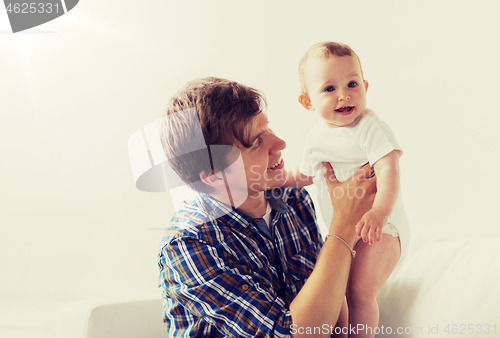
{"x": 348, "y": 148}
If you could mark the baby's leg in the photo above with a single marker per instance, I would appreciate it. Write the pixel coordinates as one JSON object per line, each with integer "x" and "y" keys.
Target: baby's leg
{"x": 370, "y": 269}
{"x": 342, "y": 326}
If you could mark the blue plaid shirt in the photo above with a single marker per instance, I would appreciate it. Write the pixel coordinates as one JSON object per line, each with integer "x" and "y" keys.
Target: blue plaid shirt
{"x": 233, "y": 275}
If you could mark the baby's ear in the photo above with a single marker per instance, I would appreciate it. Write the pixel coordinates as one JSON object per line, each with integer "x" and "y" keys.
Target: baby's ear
{"x": 366, "y": 85}
{"x": 305, "y": 101}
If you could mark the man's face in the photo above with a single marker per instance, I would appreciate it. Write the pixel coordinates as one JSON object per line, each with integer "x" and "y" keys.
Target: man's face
{"x": 262, "y": 162}
{"x": 336, "y": 89}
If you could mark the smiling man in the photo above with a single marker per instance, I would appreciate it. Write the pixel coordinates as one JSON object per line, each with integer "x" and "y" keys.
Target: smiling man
{"x": 255, "y": 270}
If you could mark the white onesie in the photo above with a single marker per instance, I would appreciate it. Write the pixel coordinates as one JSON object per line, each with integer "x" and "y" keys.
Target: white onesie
{"x": 348, "y": 148}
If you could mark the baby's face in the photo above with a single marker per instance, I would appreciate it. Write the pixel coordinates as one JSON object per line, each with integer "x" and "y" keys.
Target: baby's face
{"x": 335, "y": 89}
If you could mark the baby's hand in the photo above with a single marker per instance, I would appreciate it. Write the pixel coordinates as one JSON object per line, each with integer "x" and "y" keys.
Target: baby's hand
{"x": 371, "y": 224}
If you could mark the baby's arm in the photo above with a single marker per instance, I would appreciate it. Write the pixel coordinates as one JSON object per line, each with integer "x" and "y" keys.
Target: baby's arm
{"x": 387, "y": 172}
{"x": 295, "y": 179}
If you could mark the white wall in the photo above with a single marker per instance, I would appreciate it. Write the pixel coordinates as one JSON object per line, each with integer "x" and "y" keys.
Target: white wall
{"x": 72, "y": 91}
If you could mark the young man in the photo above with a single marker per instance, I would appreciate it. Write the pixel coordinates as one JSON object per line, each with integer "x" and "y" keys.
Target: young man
{"x": 243, "y": 258}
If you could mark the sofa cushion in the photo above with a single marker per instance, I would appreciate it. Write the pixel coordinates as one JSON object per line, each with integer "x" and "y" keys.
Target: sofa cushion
{"x": 111, "y": 318}
{"x": 444, "y": 287}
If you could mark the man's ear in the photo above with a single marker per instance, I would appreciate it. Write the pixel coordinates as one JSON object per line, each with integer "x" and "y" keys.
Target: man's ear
{"x": 305, "y": 101}
{"x": 366, "y": 85}
{"x": 212, "y": 180}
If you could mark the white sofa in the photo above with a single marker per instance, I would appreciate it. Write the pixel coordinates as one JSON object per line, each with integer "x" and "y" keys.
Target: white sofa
{"x": 444, "y": 288}
{"x": 111, "y": 318}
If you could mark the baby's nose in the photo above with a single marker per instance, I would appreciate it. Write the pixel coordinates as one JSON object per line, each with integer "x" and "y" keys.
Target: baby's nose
{"x": 343, "y": 95}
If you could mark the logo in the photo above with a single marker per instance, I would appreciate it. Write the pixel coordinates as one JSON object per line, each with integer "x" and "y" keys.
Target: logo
{"x": 153, "y": 170}
{"x": 28, "y": 14}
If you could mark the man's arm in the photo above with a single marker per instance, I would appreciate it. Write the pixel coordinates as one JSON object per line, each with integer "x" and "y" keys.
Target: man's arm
{"x": 320, "y": 300}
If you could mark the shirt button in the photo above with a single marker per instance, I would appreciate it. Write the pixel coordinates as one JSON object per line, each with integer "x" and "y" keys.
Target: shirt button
{"x": 245, "y": 287}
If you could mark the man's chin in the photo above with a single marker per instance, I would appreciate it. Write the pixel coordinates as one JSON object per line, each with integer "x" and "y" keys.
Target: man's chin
{"x": 275, "y": 184}
{"x": 277, "y": 177}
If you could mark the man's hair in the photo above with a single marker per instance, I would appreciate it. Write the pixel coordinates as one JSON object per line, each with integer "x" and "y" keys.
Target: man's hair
{"x": 324, "y": 50}
{"x": 223, "y": 109}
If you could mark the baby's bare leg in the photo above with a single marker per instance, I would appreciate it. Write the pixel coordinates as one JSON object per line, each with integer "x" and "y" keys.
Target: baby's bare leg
{"x": 370, "y": 269}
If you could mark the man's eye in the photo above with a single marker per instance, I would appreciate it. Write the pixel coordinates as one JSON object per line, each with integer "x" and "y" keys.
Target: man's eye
{"x": 329, "y": 89}
{"x": 256, "y": 144}
{"x": 352, "y": 84}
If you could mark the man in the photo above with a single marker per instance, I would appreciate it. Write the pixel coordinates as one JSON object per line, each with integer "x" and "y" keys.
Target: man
{"x": 243, "y": 258}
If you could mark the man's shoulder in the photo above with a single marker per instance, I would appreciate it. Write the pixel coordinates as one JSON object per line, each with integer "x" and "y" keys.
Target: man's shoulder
{"x": 204, "y": 219}
{"x": 194, "y": 219}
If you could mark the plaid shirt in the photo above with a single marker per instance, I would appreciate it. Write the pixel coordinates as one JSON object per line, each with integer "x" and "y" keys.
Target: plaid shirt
{"x": 233, "y": 275}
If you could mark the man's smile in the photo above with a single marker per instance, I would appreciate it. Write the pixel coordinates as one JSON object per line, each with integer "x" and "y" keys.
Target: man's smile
{"x": 278, "y": 165}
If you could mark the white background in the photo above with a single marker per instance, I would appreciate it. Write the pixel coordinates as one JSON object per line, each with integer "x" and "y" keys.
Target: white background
{"x": 72, "y": 91}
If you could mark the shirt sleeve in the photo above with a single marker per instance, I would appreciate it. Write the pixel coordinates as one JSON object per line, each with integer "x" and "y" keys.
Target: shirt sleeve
{"x": 377, "y": 139}
{"x": 307, "y": 166}
{"x": 208, "y": 283}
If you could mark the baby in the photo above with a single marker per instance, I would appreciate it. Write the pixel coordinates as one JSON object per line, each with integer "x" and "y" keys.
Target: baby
{"x": 350, "y": 136}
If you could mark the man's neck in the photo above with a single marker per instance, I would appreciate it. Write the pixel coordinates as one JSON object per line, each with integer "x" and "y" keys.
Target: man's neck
{"x": 255, "y": 206}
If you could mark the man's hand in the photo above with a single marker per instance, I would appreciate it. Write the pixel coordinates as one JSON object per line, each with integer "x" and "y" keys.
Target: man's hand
{"x": 350, "y": 199}
{"x": 370, "y": 226}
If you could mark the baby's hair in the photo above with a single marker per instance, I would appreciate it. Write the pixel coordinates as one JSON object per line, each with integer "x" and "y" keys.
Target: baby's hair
{"x": 324, "y": 50}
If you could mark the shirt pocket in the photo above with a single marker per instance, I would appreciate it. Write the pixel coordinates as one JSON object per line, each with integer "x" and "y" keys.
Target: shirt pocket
{"x": 301, "y": 265}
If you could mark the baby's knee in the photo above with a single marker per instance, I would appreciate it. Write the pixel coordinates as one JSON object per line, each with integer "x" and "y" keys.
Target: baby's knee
{"x": 361, "y": 293}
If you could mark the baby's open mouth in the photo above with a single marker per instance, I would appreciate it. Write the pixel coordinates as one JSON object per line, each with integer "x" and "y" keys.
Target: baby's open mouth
{"x": 345, "y": 110}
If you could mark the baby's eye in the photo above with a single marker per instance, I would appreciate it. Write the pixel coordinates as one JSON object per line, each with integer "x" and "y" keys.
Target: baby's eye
{"x": 352, "y": 84}
{"x": 329, "y": 89}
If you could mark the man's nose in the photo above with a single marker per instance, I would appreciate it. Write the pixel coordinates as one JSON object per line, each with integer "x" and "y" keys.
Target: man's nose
{"x": 278, "y": 144}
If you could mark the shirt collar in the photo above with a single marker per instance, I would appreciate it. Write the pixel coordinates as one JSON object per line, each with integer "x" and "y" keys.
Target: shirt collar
{"x": 216, "y": 208}
{"x": 276, "y": 201}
